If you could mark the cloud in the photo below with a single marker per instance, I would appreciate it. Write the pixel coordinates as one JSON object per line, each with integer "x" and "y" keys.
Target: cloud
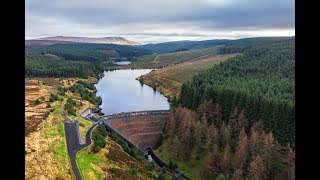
{"x": 159, "y": 20}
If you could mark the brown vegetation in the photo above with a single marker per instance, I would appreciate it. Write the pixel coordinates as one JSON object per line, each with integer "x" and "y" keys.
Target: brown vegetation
{"x": 230, "y": 147}
{"x": 45, "y": 148}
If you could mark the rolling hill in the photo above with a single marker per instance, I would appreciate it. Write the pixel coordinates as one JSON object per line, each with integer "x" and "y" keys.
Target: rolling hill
{"x": 162, "y": 60}
{"x": 175, "y": 46}
{"x": 66, "y": 39}
{"x": 169, "y": 80}
{"x": 75, "y": 59}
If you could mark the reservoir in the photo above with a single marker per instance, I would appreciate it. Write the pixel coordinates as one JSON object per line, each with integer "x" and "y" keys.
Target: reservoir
{"x": 121, "y": 92}
{"x": 122, "y": 63}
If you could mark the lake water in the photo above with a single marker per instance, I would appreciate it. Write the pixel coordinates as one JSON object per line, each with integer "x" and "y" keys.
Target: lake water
{"x": 120, "y": 92}
{"x": 122, "y": 63}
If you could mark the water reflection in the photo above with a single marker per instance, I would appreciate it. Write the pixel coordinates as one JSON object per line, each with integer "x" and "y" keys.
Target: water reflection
{"x": 121, "y": 92}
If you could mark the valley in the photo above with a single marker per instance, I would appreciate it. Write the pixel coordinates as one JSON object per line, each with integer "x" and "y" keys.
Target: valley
{"x": 219, "y": 123}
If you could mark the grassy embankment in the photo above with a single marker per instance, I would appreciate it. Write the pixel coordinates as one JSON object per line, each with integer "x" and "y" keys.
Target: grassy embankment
{"x": 111, "y": 162}
{"x": 169, "y": 80}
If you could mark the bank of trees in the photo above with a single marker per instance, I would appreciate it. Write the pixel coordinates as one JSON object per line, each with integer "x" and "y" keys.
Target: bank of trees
{"x": 73, "y": 60}
{"x": 231, "y": 149}
{"x": 41, "y": 66}
{"x": 81, "y": 88}
{"x": 69, "y": 107}
{"x": 261, "y": 82}
{"x": 98, "y": 137}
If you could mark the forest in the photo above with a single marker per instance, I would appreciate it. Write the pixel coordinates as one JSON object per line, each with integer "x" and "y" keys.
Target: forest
{"x": 225, "y": 149}
{"x": 239, "y": 44}
{"x": 261, "y": 81}
{"x": 41, "y": 66}
{"x": 74, "y": 60}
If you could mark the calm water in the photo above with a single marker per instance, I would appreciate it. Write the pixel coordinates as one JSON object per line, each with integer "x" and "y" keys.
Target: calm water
{"x": 122, "y": 63}
{"x": 120, "y": 92}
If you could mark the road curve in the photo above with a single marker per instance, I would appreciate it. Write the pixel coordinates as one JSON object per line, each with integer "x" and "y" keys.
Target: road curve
{"x": 73, "y": 143}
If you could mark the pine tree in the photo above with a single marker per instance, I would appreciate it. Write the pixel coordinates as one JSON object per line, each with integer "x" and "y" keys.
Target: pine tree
{"x": 212, "y": 137}
{"x": 174, "y": 147}
{"x": 257, "y": 169}
{"x": 212, "y": 161}
{"x": 255, "y": 144}
{"x": 290, "y": 161}
{"x": 225, "y": 161}
{"x": 241, "y": 153}
{"x": 237, "y": 174}
{"x": 268, "y": 150}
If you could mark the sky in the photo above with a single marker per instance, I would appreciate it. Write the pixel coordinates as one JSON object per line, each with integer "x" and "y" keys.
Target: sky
{"x": 148, "y": 21}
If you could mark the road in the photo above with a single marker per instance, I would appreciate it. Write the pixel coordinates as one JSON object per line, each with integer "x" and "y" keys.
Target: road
{"x": 73, "y": 141}
{"x": 155, "y": 59}
{"x": 73, "y": 138}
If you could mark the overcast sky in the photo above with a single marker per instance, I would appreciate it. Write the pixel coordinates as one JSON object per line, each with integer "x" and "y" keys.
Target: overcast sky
{"x": 148, "y": 21}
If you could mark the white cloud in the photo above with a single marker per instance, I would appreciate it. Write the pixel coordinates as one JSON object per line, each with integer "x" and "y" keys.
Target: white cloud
{"x": 157, "y": 21}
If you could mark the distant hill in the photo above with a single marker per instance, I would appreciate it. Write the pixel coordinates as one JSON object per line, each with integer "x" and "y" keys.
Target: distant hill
{"x": 76, "y": 59}
{"x": 231, "y": 45}
{"x": 67, "y": 39}
{"x": 165, "y": 59}
{"x": 175, "y": 46}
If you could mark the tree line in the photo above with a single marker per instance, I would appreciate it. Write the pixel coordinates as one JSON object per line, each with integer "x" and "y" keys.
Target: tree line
{"x": 74, "y": 60}
{"x": 42, "y": 66}
{"x": 261, "y": 82}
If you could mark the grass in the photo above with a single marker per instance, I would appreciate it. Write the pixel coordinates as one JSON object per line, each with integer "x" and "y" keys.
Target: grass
{"x": 49, "y": 130}
{"x": 112, "y": 159}
{"x": 57, "y": 111}
{"x": 52, "y": 136}
{"x": 88, "y": 165}
{"x": 87, "y": 124}
{"x": 144, "y": 62}
{"x": 53, "y": 155}
{"x": 171, "y": 58}
{"x": 60, "y": 152}
{"x": 169, "y": 80}
{"x": 194, "y": 168}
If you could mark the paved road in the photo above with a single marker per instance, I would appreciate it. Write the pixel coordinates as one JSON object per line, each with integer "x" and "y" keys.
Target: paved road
{"x": 74, "y": 144}
{"x": 73, "y": 138}
{"x": 73, "y": 141}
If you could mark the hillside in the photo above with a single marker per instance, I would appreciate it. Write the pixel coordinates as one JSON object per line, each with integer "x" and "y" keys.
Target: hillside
{"x": 166, "y": 59}
{"x": 204, "y": 147}
{"x": 168, "y": 80}
{"x": 76, "y": 59}
{"x": 46, "y": 153}
{"x": 175, "y": 46}
{"x": 63, "y": 39}
{"x": 261, "y": 81}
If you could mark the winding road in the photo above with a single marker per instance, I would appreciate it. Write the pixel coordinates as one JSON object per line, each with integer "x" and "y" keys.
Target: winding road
{"x": 73, "y": 137}
{"x": 74, "y": 142}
